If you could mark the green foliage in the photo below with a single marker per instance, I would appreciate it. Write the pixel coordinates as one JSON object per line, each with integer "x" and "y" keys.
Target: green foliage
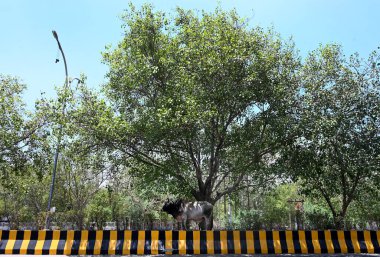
{"x": 23, "y": 198}
{"x": 98, "y": 210}
{"x": 366, "y": 210}
{"x": 275, "y": 208}
{"x": 269, "y": 210}
{"x": 317, "y": 214}
{"x": 13, "y": 134}
{"x": 23, "y": 151}
{"x": 199, "y": 105}
{"x": 204, "y": 97}
{"x": 337, "y": 153}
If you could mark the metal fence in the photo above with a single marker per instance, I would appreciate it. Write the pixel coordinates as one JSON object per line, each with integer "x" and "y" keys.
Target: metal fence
{"x": 158, "y": 225}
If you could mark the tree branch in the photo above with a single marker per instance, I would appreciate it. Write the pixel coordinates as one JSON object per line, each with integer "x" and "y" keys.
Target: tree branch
{"x": 196, "y": 164}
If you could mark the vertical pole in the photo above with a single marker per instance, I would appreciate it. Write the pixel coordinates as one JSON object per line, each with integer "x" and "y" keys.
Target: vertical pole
{"x": 248, "y": 194}
{"x": 229, "y": 213}
{"x": 225, "y": 201}
{"x": 56, "y": 155}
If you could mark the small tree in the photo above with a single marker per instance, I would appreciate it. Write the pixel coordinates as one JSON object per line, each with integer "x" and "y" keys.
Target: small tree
{"x": 338, "y": 151}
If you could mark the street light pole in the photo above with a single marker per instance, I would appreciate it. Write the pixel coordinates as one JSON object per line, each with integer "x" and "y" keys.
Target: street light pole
{"x": 59, "y": 136}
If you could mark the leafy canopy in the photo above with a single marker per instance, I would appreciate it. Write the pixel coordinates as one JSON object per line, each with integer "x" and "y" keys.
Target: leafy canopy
{"x": 337, "y": 153}
{"x": 203, "y": 96}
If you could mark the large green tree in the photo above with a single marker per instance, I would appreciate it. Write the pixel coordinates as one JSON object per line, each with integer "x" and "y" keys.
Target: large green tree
{"x": 338, "y": 152}
{"x": 199, "y": 97}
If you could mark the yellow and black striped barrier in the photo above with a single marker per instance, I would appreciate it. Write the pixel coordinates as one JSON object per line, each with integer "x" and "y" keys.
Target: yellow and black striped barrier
{"x": 187, "y": 242}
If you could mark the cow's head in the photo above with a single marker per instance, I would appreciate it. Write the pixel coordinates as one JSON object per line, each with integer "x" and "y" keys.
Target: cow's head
{"x": 173, "y": 207}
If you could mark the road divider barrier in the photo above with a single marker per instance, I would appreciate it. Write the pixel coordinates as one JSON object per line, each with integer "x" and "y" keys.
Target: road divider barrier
{"x": 124, "y": 242}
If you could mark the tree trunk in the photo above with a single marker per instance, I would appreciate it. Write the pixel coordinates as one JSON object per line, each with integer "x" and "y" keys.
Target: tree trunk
{"x": 339, "y": 222}
{"x": 206, "y": 196}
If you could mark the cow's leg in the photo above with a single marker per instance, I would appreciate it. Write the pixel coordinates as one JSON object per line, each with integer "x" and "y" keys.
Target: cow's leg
{"x": 209, "y": 222}
{"x": 188, "y": 224}
{"x": 206, "y": 223}
{"x": 184, "y": 221}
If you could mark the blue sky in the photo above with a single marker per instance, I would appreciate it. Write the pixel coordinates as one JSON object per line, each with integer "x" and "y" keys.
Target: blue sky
{"x": 28, "y": 49}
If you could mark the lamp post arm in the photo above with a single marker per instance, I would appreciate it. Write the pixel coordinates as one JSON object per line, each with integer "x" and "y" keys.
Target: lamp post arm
{"x": 63, "y": 55}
